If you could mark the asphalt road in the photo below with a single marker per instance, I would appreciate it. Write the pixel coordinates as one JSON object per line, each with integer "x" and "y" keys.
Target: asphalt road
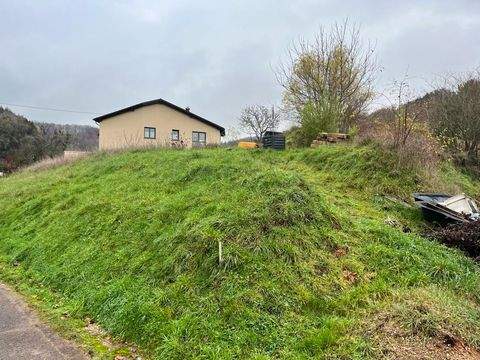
{"x": 24, "y": 336}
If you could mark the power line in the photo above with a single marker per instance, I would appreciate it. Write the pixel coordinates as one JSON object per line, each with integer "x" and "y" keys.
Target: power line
{"x": 49, "y": 109}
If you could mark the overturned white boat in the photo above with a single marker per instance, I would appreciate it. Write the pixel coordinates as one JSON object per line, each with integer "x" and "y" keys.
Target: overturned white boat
{"x": 443, "y": 207}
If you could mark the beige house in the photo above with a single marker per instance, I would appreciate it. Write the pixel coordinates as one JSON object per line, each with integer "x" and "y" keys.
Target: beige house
{"x": 156, "y": 123}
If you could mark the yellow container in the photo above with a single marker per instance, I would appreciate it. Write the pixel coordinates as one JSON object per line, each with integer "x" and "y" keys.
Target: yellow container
{"x": 247, "y": 145}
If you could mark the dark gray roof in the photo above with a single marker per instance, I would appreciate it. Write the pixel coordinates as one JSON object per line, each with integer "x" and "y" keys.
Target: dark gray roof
{"x": 160, "y": 102}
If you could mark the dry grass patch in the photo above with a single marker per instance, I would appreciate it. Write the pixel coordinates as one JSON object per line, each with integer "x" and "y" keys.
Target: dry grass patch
{"x": 49, "y": 163}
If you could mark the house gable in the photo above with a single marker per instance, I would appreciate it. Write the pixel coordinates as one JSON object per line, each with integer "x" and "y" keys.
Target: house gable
{"x": 160, "y": 102}
{"x": 155, "y": 124}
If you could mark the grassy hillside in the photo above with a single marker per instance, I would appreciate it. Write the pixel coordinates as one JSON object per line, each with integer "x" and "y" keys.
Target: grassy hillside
{"x": 310, "y": 267}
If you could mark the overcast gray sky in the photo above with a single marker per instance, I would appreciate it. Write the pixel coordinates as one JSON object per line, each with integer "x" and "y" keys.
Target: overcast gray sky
{"x": 215, "y": 57}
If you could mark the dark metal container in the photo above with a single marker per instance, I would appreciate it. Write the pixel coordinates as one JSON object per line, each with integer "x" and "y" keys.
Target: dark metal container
{"x": 274, "y": 140}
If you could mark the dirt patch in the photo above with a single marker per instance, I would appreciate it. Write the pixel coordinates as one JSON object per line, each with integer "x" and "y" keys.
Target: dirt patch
{"x": 128, "y": 352}
{"x": 350, "y": 276}
{"x": 340, "y": 251}
{"x": 435, "y": 349}
{"x": 395, "y": 343}
{"x": 464, "y": 236}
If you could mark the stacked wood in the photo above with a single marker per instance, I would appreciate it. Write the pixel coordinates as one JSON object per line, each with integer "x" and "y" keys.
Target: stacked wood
{"x": 329, "y": 138}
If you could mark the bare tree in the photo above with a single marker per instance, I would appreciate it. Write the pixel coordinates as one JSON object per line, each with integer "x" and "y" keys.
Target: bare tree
{"x": 455, "y": 117}
{"x": 258, "y": 119}
{"x": 55, "y": 139}
{"x": 335, "y": 67}
{"x": 405, "y": 111}
{"x": 232, "y": 134}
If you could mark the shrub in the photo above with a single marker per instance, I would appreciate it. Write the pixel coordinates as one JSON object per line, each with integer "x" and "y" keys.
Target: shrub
{"x": 294, "y": 138}
{"x": 315, "y": 118}
{"x": 421, "y": 149}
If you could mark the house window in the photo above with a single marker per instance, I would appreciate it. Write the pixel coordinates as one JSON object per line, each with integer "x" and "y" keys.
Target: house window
{"x": 199, "y": 138}
{"x": 149, "y": 133}
{"x": 175, "y": 135}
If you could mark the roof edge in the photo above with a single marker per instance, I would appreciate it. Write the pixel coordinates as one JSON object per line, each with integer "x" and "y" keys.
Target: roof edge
{"x": 99, "y": 119}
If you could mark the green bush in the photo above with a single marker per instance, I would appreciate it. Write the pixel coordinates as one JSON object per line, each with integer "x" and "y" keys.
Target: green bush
{"x": 315, "y": 118}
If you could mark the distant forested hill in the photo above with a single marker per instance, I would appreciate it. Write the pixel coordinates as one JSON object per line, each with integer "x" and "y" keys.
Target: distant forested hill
{"x": 20, "y": 141}
{"x": 80, "y": 137}
{"x": 23, "y": 142}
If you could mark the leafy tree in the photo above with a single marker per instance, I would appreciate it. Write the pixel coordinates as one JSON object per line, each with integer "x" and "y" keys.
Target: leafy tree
{"x": 334, "y": 69}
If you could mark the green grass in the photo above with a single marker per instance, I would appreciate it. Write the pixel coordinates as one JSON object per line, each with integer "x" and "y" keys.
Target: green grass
{"x": 131, "y": 241}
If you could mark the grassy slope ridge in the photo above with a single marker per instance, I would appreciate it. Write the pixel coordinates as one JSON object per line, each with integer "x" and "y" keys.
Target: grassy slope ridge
{"x": 310, "y": 267}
